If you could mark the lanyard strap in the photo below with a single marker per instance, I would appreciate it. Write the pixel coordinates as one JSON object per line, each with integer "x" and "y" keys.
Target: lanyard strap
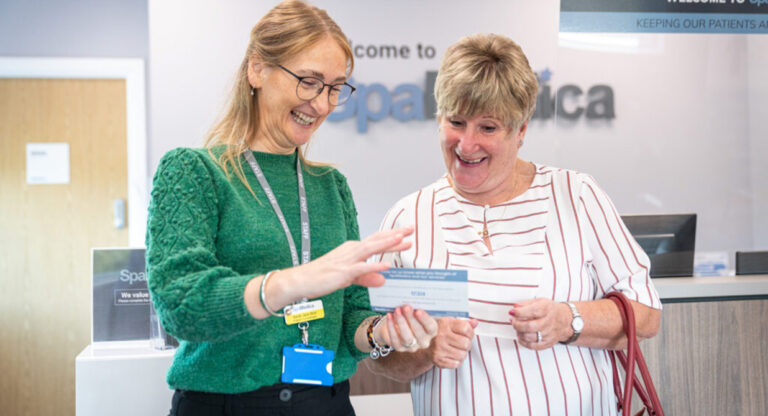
{"x": 305, "y": 242}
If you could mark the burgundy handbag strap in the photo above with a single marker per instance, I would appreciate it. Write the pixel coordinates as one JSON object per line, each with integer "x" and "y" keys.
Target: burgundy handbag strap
{"x": 633, "y": 358}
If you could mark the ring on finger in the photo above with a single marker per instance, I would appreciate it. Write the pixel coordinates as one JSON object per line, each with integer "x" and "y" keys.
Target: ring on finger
{"x": 538, "y": 336}
{"x": 410, "y": 344}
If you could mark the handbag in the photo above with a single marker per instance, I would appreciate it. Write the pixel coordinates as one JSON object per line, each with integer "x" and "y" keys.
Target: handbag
{"x": 633, "y": 358}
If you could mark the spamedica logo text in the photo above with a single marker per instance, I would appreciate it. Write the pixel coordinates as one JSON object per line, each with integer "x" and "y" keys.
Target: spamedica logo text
{"x": 411, "y": 102}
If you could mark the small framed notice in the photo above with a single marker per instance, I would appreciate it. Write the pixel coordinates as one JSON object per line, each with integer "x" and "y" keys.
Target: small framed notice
{"x": 120, "y": 295}
{"x": 47, "y": 163}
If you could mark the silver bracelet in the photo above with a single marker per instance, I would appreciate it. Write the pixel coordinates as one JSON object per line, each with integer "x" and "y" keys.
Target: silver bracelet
{"x": 262, "y": 296}
{"x": 378, "y": 350}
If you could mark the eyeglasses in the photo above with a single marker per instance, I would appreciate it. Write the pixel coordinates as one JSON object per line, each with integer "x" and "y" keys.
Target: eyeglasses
{"x": 310, "y": 87}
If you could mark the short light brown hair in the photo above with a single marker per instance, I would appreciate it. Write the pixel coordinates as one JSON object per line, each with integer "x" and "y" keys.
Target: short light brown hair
{"x": 486, "y": 74}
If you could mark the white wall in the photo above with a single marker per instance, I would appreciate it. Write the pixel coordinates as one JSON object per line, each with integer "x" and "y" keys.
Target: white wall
{"x": 680, "y": 141}
{"x": 757, "y": 104}
{"x": 74, "y": 28}
{"x": 688, "y": 134}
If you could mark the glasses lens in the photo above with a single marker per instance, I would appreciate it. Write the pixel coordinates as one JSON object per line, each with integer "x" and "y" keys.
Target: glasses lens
{"x": 309, "y": 88}
{"x": 340, "y": 94}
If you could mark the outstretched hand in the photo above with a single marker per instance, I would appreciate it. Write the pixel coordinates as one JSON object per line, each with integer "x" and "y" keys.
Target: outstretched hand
{"x": 343, "y": 266}
{"x": 346, "y": 264}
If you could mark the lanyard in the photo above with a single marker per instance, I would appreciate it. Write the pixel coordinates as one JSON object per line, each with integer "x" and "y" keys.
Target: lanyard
{"x": 305, "y": 242}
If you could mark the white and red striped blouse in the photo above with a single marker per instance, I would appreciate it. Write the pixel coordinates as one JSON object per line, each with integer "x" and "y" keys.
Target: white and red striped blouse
{"x": 543, "y": 243}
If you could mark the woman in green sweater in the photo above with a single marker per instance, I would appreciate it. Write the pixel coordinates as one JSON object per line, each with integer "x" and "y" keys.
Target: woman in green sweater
{"x": 247, "y": 228}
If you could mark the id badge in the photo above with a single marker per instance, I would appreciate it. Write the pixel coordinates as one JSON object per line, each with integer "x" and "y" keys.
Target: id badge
{"x": 307, "y": 364}
{"x": 304, "y": 312}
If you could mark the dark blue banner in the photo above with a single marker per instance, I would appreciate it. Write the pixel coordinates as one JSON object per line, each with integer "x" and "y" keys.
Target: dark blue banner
{"x": 666, "y": 6}
{"x": 665, "y": 16}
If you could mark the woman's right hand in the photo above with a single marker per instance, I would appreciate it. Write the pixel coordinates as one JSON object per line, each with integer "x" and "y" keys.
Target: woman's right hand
{"x": 343, "y": 266}
{"x": 347, "y": 264}
{"x": 453, "y": 341}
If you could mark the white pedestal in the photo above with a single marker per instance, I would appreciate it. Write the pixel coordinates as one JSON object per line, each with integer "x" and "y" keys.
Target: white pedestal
{"x": 122, "y": 379}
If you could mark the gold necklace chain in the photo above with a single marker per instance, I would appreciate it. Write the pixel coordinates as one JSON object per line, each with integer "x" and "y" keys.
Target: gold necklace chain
{"x": 485, "y": 234}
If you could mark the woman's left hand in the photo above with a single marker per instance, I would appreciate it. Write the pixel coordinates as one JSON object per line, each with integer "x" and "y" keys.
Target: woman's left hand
{"x": 406, "y": 329}
{"x": 540, "y": 323}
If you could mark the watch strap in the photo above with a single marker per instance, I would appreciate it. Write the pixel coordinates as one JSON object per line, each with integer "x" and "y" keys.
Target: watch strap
{"x": 576, "y": 315}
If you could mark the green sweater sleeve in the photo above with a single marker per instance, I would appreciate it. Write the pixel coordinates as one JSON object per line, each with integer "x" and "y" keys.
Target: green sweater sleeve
{"x": 357, "y": 305}
{"x": 197, "y": 299}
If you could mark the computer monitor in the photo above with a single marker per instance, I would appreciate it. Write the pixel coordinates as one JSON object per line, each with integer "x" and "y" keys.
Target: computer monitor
{"x": 668, "y": 239}
{"x": 752, "y": 262}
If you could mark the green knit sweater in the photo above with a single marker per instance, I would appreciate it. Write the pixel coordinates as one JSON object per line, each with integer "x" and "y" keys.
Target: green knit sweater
{"x": 207, "y": 236}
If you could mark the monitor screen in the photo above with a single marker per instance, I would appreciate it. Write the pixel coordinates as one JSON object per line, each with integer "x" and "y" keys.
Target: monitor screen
{"x": 668, "y": 239}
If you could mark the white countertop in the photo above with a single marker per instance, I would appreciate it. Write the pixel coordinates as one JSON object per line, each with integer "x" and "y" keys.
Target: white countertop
{"x": 679, "y": 288}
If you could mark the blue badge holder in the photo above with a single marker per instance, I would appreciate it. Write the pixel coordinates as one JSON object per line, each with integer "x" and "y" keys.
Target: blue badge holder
{"x": 307, "y": 364}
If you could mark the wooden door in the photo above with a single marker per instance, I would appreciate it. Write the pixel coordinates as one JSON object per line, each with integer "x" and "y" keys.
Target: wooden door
{"x": 47, "y": 231}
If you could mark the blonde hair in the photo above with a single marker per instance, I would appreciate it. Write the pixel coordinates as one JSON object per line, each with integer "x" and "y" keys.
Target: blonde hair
{"x": 283, "y": 33}
{"x": 486, "y": 74}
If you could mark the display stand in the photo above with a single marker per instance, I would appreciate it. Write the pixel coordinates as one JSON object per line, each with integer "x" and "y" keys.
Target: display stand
{"x": 122, "y": 379}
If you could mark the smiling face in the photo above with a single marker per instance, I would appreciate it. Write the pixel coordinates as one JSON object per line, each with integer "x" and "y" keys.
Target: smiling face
{"x": 480, "y": 154}
{"x": 286, "y": 121}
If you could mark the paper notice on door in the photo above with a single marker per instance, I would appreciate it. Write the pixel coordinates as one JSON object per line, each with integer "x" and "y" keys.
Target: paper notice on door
{"x": 47, "y": 163}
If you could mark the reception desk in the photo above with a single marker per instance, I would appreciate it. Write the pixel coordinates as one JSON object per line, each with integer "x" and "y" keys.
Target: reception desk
{"x": 712, "y": 288}
{"x": 710, "y": 358}
{"x": 711, "y": 354}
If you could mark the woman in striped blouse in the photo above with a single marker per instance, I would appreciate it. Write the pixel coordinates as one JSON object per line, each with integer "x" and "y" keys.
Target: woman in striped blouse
{"x": 542, "y": 246}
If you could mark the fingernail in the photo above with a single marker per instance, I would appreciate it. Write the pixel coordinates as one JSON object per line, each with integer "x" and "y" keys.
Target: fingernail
{"x": 512, "y": 312}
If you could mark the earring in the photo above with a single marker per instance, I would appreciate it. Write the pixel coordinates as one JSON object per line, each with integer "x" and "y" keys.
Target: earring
{"x": 253, "y": 92}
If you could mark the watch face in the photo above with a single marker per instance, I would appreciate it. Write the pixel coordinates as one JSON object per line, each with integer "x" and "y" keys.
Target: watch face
{"x": 577, "y": 324}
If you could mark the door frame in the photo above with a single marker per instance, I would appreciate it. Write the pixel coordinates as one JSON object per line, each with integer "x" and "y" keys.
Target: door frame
{"x": 132, "y": 71}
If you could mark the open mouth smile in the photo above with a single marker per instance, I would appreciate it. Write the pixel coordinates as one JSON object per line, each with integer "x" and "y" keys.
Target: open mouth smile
{"x": 302, "y": 118}
{"x": 469, "y": 161}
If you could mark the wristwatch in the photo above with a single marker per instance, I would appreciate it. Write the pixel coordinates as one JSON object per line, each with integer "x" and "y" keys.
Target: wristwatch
{"x": 577, "y": 324}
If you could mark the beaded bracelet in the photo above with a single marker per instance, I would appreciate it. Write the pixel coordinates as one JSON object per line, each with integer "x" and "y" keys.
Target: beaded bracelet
{"x": 378, "y": 350}
{"x": 262, "y": 297}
